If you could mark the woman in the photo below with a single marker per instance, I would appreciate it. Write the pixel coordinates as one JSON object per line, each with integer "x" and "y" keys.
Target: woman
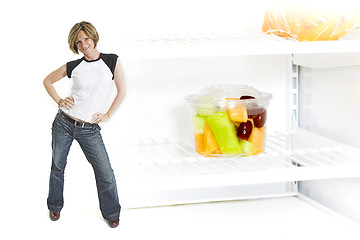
{"x": 79, "y": 115}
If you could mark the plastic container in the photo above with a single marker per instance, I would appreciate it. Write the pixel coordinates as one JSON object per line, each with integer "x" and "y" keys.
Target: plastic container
{"x": 229, "y": 120}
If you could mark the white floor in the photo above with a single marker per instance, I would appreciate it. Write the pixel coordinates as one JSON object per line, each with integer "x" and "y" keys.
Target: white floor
{"x": 279, "y": 218}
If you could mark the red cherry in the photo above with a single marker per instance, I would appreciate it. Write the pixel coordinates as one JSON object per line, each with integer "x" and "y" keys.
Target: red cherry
{"x": 246, "y": 97}
{"x": 256, "y": 113}
{"x": 253, "y": 111}
{"x": 260, "y": 118}
{"x": 244, "y": 130}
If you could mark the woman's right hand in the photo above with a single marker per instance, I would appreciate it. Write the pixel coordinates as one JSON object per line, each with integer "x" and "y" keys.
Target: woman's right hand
{"x": 68, "y": 102}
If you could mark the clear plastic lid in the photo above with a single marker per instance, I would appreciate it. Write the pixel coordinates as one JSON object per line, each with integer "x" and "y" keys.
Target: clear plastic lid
{"x": 217, "y": 94}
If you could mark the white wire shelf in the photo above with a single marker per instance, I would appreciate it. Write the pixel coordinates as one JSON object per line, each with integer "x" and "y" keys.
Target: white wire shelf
{"x": 173, "y": 164}
{"x": 225, "y": 44}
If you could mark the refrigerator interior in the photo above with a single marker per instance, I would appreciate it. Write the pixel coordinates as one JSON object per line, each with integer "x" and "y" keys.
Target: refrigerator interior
{"x": 157, "y": 145}
{"x": 154, "y": 132}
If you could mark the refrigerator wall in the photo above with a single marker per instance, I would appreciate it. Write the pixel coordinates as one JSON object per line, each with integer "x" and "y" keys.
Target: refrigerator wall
{"x": 330, "y": 106}
{"x": 330, "y": 101}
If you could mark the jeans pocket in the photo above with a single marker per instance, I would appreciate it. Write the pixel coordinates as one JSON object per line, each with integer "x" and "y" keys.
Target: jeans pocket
{"x": 56, "y": 123}
{"x": 97, "y": 127}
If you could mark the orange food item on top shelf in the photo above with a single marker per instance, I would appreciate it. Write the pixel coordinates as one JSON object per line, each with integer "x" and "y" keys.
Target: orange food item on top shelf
{"x": 309, "y": 24}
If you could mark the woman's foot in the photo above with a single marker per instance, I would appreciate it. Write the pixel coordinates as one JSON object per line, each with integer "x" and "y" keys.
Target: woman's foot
{"x": 113, "y": 223}
{"x": 54, "y": 216}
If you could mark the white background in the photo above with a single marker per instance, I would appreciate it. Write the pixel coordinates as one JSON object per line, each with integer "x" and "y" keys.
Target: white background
{"x": 34, "y": 43}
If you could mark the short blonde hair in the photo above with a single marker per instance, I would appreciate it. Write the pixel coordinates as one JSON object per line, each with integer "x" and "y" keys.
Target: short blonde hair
{"x": 89, "y": 30}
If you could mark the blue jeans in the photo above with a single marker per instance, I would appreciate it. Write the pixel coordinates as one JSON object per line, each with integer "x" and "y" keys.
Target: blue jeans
{"x": 91, "y": 143}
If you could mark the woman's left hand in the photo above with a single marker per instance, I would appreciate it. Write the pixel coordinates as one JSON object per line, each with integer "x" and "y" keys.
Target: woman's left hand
{"x": 99, "y": 117}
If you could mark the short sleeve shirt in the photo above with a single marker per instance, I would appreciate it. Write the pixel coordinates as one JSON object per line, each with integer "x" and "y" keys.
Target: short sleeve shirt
{"x": 92, "y": 85}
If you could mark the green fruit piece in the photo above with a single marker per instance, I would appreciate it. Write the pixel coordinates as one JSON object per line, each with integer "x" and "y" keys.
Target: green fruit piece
{"x": 198, "y": 124}
{"x": 205, "y": 109}
{"x": 205, "y": 112}
{"x": 246, "y": 147}
{"x": 225, "y": 133}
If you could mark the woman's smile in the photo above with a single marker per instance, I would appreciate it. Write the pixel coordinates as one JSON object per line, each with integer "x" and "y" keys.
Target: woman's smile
{"x": 85, "y": 48}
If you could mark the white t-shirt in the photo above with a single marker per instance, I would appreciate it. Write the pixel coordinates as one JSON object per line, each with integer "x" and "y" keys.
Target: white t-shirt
{"x": 92, "y": 85}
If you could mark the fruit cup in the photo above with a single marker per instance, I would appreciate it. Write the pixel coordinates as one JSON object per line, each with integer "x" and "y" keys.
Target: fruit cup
{"x": 229, "y": 120}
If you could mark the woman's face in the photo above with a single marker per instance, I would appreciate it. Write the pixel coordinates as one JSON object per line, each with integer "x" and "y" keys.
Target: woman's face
{"x": 84, "y": 43}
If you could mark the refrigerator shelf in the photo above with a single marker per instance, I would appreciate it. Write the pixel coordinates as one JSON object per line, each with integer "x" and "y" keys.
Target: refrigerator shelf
{"x": 226, "y": 44}
{"x": 164, "y": 164}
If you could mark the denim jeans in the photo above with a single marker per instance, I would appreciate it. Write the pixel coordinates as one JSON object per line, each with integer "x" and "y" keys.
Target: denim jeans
{"x": 91, "y": 143}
